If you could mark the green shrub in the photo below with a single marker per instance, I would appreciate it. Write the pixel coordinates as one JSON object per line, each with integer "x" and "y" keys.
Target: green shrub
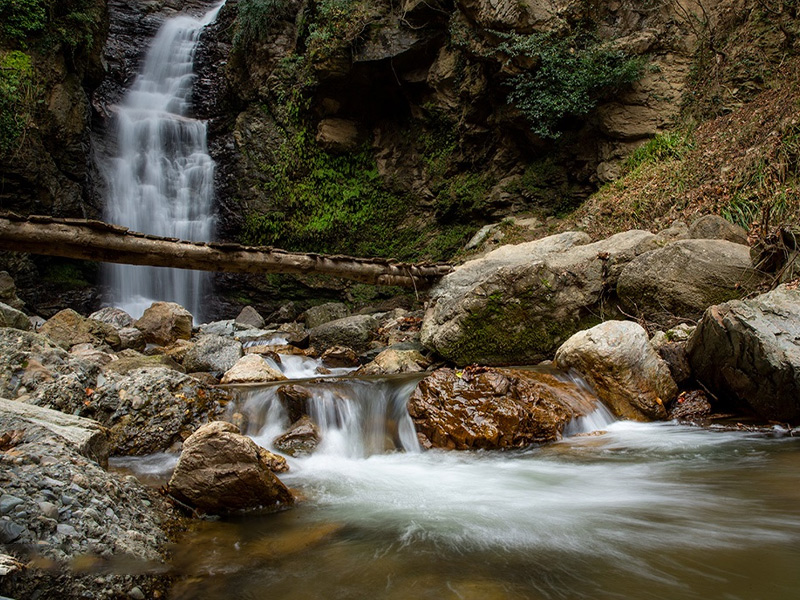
{"x": 16, "y": 98}
{"x": 572, "y": 75}
{"x": 666, "y": 146}
{"x": 256, "y": 17}
{"x": 20, "y": 19}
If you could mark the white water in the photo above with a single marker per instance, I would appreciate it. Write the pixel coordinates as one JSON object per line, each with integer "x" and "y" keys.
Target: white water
{"x": 162, "y": 180}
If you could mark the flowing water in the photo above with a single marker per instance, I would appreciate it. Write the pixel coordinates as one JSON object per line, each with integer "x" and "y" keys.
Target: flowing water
{"x": 633, "y": 511}
{"x": 162, "y": 180}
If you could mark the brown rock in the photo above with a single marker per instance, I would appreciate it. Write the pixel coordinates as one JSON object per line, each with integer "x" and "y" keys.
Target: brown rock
{"x": 165, "y": 322}
{"x": 339, "y": 135}
{"x": 295, "y": 400}
{"x": 484, "y": 407}
{"x": 301, "y": 439}
{"x": 221, "y": 471}
{"x": 67, "y": 329}
{"x": 252, "y": 368}
{"x": 340, "y": 356}
{"x": 392, "y": 361}
{"x": 692, "y": 405}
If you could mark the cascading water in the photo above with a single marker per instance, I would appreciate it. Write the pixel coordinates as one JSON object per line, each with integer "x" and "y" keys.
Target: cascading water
{"x": 162, "y": 180}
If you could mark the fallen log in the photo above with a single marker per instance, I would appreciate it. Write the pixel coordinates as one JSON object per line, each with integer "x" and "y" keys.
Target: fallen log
{"x": 102, "y": 242}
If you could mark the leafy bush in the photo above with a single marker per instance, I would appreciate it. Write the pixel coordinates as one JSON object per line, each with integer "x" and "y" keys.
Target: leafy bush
{"x": 16, "y": 96}
{"x": 666, "y": 146}
{"x": 22, "y": 18}
{"x": 256, "y": 17}
{"x": 572, "y": 75}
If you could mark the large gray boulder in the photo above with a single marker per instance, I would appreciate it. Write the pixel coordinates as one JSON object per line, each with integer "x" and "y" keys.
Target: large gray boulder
{"x": 87, "y": 436}
{"x": 616, "y": 358}
{"x": 221, "y": 471}
{"x": 115, "y": 317}
{"x": 213, "y": 353}
{"x": 252, "y": 368}
{"x": 749, "y": 351}
{"x": 517, "y": 304}
{"x": 354, "y": 332}
{"x": 685, "y": 277}
{"x": 325, "y": 313}
{"x": 11, "y": 317}
{"x": 715, "y": 227}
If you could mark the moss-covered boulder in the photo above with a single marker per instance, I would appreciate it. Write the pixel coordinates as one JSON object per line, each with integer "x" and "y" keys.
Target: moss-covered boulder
{"x": 517, "y": 304}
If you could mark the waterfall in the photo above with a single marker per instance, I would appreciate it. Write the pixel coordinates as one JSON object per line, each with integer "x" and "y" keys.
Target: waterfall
{"x": 162, "y": 180}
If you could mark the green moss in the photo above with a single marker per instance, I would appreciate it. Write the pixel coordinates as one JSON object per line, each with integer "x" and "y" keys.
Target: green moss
{"x": 17, "y": 99}
{"x": 255, "y": 19}
{"x": 672, "y": 145}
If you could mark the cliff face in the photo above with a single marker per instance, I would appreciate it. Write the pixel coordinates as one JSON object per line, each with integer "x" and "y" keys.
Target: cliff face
{"x": 460, "y": 112}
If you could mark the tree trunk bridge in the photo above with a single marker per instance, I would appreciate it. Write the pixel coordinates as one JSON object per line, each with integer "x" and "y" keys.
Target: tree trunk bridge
{"x": 97, "y": 241}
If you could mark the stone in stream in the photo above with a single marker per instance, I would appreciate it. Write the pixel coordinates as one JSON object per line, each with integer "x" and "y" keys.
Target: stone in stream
{"x": 616, "y": 358}
{"x": 749, "y": 351}
{"x": 249, "y": 318}
{"x": 301, "y": 439}
{"x": 339, "y": 356}
{"x": 484, "y": 407}
{"x": 252, "y": 368}
{"x": 324, "y": 313}
{"x": 165, "y": 322}
{"x": 354, "y": 332}
{"x": 392, "y": 361}
{"x": 115, "y": 317}
{"x": 221, "y": 471}
{"x": 213, "y": 353}
{"x": 295, "y": 399}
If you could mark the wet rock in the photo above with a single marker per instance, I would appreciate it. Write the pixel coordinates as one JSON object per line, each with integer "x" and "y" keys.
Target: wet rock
{"x": 116, "y": 317}
{"x": 392, "y": 361}
{"x": 616, "y": 358}
{"x": 295, "y": 400}
{"x": 11, "y": 317}
{"x": 67, "y": 328}
{"x": 749, "y": 351}
{"x": 692, "y": 406}
{"x": 324, "y": 313}
{"x": 484, "y": 407}
{"x": 354, "y": 332}
{"x": 221, "y": 471}
{"x": 339, "y": 356}
{"x": 686, "y": 277}
{"x": 165, "y": 322}
{"x": 250, "y": 318}
{"x": 714, "y": 227}
{"x": 213, "y": 353}
{"x": 301, "y": 439}
{"x": 519, "y": 302}
{"x": 252, "y": 368}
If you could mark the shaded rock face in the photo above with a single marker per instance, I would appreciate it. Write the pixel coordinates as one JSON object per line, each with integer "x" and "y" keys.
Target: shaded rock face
{"x": 629, "y": 376}
{"x": 519, "y": 303}
{"x": 11, "y": 317}
{"x": 684, "y": 278}
{"x": 493, "y": 408}
{"x": 749, "y": 352}
{"x": 354, "y": 332}
{"x": 221, "y": 471}
{"x": 63, "y": 506}
{"x": 324, "y": 313}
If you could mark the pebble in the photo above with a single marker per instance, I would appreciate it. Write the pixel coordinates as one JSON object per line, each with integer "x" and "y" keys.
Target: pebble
{"x": 49, "y": 510}
{"x": 65, "y": 529}
{"x": 136, "y": 593}
{"x": 10, "y": 531}
{"x": 9, "y": 503}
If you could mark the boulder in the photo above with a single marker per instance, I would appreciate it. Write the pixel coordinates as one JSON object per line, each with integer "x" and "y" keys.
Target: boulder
{"x": 339, "y": 356}
{"x": 628, "y": 375}
{"x": 8, "y": 291}
{"x": 213, "y": 353}
{"x": 67, "y": 328}
{"x": 11, "y": 317}
{"x": 714, "y": 227}
{"x": 92, "y": 354}
{"x": 671, "y": 346}
{"x": 324, "y": 313}
{"x": 86, "y": 436}
{"x": 151, "y": 410}
{"x": 130, "y": 360}
{"x": 517, "y": 304}
{"x": 337, "y": 135}
{"x": 392, "y": 361}
{"x": 295, "y": 399}
{"x": 301, "y": 439}
{"x": 249, "y": 319}
{"x": 354, "y": 332}
{"x": 252, "y": 368}
{"x": 131, "y": 338}
{"x": 749, "y": 351}
{"x": 178, "y": 350}
{"x": 685, "y": 277}
{"x": 165, "y": 322}
{"x": 223, "y": 472}
{"x": 115, "y": 317}
{"x": 484, "y": 407}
